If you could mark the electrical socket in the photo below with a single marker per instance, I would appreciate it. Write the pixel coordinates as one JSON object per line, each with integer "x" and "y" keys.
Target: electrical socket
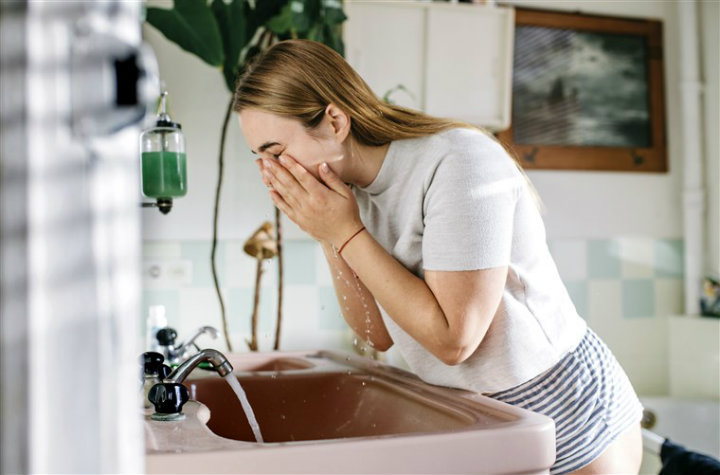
{"x": 166, "y": 273}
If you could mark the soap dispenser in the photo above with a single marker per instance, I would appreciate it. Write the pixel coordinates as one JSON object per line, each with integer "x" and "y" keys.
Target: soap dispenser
{"x": 164, "y": 168}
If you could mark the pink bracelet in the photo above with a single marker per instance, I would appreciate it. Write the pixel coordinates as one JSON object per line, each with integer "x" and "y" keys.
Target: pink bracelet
{"x": 350, "y": 239}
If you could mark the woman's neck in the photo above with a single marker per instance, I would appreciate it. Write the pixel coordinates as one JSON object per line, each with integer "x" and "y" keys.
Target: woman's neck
{"x": 364, "y": 164}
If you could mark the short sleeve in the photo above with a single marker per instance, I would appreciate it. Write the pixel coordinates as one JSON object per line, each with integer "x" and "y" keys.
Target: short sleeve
{"x": 469, "y": 210}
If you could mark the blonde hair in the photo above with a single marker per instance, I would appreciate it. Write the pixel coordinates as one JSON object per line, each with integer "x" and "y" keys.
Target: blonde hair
{"x": 298, "y": 79}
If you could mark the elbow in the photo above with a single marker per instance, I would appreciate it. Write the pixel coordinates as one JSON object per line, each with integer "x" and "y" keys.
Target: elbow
{"x": 453, "y": 355}
{"x": 383, "y": 345}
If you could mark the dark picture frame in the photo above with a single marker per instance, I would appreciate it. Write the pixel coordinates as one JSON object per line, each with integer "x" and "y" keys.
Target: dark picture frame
{"x": 588, "y": 93}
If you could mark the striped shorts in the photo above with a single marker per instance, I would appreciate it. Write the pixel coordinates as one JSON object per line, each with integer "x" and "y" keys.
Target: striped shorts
{"x": 588, "y": 396}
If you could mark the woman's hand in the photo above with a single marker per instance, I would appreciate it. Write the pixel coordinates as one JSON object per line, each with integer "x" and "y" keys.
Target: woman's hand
{"x": 326, "y": 210}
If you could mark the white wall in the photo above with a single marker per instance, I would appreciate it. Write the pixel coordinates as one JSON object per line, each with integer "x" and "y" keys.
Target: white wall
{"x": 710, "y": 42}
{"x": 578, "y": 204}
{"x": 607, "y": 204}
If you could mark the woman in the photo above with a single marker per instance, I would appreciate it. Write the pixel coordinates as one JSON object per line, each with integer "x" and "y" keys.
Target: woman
{"x": 433, "y": 235}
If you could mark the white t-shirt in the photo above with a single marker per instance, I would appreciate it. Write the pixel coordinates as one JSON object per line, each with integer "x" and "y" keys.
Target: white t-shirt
{"x": 456, "y": 201}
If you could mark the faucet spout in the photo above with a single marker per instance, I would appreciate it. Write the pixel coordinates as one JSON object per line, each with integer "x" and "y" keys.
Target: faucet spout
{"x": 214, "y": 357}
{"x": 182, "y": 347}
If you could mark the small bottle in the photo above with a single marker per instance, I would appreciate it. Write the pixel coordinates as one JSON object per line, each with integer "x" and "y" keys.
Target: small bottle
{"x": 156, "y": 320}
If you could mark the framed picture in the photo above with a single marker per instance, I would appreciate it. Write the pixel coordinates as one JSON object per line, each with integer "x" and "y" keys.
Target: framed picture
{"x": 588, "y": 93}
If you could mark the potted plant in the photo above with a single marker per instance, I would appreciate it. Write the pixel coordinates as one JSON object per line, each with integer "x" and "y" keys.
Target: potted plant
{"x": 228, "y": 34}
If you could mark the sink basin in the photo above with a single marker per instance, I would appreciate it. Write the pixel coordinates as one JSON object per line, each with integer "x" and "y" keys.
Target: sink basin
{"x": 327, "y": 412}
{"x": 319, "y": 406}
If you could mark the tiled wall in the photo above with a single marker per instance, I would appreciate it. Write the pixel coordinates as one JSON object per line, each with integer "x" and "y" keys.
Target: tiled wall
{"x": 623, "y": 287}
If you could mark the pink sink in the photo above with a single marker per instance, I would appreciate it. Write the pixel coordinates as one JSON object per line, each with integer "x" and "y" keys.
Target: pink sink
{"x": 331, "y": 413}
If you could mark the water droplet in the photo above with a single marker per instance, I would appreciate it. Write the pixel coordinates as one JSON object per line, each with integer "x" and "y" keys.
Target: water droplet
{"x": 344, "y": 297}
{"x": 363, "y": 383}
{"x": 282, "y": 416}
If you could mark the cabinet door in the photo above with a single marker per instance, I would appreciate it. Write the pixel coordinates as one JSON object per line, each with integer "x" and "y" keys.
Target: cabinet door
{"x": 384, "y": 42}
{"x": 469, "y": 63}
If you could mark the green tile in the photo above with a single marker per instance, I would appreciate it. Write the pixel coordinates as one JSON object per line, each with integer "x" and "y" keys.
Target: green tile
{"x": 669, "y": 258}
{"x": 638, "y": 298}
{"x": 329, "y": 316}
{"x": 299, "y": 262}
{"x": 603, "y": 259}
{"x": 240, "y": 308}
{"x": 578, "y": 290}
{"x": 198, "y": 252}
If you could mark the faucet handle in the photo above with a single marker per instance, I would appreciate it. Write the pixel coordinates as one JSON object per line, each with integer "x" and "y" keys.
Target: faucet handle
{"x": 166, "y": 336}
{"x": 151, "y": 362}
{"x": 168, "y": 399}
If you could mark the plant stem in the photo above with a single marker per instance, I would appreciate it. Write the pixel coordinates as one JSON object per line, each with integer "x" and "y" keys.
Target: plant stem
{"x": 253, "y": 343}
{"x": 278, "y": 228}
{"x": 215, "y": 225}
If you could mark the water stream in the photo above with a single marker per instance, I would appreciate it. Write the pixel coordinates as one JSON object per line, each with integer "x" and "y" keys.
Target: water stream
{"x": 235, "y": 385}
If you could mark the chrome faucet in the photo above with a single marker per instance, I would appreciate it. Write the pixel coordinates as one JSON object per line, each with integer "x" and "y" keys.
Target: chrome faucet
{"x": 175, "y": 354}
{"x": 170, "y": 395}
{"x": 214, "y": 357}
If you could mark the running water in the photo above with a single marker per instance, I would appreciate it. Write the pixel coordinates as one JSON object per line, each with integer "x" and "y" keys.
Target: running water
{"x": 235, "y": 385}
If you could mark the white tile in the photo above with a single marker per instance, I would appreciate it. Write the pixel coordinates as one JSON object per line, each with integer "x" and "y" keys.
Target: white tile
{"x": 300, "y": 316}
{"x": 241, "y": 269}
{"x": 322, "y": 269}
{"x": 199, "y": 307}
{"x": 647, "y": 372}
{"x": 570, "y": 256}
{"x": 647, "y": 336}
{"x": 604, "y": 302}
{"x": 669, "y": 297}
{"x": 161, "y": 249}
{"x": 637, "y": 257}
{"x": 694, "y": 357}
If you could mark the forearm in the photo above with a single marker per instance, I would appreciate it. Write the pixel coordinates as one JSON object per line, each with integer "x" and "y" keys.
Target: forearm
{"x": 357, "y": 304}
{"x": 405, "y": 297}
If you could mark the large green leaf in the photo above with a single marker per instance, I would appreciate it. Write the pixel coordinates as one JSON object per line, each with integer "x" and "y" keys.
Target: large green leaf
{"x": 191, "y": 25}
{"x": 232, "y": 21}
{"x": 264, "y": 11}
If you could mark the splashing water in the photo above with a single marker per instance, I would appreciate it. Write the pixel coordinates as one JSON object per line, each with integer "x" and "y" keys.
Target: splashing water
{"x": 359, "y": 293}
{"x": 235, "y": 385}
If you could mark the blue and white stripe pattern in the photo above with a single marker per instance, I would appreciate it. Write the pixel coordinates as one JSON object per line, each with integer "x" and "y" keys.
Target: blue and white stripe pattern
{"x": 588, "y": 396}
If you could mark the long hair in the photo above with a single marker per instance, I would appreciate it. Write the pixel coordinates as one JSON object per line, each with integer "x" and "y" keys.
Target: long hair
{"x": 297, "y": 79}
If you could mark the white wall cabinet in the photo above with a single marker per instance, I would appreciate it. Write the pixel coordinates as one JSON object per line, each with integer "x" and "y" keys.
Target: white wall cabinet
{"x": 455, "y": 60}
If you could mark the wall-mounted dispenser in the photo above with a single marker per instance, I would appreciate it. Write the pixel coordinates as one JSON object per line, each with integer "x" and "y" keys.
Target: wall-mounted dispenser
{"x": 164, "y": 168}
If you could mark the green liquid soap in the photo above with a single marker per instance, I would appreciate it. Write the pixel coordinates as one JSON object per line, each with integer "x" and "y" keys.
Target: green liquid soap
{"x": 164, "y": 174}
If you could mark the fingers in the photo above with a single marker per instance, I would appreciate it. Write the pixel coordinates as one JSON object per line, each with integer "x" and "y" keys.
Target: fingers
{"x": 303, "y": 177}
{"x": 282, "y": 204}
{"x": 332, "y": 180}
{"x": 284, "y": 182}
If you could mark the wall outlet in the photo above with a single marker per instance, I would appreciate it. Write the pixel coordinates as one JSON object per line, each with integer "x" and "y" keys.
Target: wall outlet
{"x": 166, "y": 273}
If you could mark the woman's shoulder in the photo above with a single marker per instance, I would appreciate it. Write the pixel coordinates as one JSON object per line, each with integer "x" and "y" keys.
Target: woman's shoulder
{"x": 473, "y": 149}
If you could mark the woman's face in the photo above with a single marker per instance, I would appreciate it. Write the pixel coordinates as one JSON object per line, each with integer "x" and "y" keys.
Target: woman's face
{"x": 270, "y": 136}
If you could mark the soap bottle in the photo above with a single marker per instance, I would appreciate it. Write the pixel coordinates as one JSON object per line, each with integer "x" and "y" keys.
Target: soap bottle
{"x": 156, "y": 321}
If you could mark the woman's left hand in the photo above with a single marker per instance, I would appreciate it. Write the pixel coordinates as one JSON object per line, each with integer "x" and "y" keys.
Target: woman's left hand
{"x": 327, "y": 211}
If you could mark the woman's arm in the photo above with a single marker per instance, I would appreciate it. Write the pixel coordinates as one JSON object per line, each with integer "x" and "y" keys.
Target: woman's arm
{"x": 357, "y": 304}
{"x": 448, "y": 313}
